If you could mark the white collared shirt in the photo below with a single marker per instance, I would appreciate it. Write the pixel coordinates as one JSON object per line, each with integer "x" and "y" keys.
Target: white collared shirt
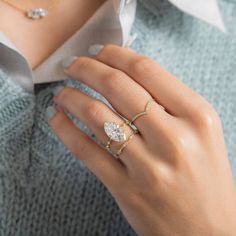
{"x": 111, "y": 23}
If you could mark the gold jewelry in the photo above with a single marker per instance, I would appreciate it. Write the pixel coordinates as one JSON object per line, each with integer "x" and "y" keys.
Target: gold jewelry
{"x": 135, "y": 131}
{"x": 118, "y": 153}
{"x": 33, "y": 13}
{"x": 115, "y": 132}
{"x": 108, "y": 145}
{"x": 145, "y": 112}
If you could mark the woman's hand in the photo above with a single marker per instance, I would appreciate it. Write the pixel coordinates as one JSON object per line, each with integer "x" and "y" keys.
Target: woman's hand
{"x": 173, "y": 177}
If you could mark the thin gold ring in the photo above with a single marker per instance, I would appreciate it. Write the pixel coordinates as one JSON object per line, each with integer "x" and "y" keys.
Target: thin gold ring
{"x": 145, "y": 112}
{"x": 108, "y": 144}
{"x": 135, "y": 130}
{"x": 118, "y": 153}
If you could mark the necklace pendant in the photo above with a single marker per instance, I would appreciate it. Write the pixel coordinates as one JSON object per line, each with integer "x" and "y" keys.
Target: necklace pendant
{"x": 36, "y": 13}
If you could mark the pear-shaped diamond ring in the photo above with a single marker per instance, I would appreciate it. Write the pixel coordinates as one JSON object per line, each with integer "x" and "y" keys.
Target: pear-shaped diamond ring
{"x": 115, "y": 131}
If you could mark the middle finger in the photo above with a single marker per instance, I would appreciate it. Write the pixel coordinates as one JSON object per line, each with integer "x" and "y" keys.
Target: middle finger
{"x": 126, "y": 96}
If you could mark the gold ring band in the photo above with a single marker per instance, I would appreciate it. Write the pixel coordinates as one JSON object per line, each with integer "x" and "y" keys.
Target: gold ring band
{"x": 145, "y": 112}
{"x": 120, "y": 131}
{"x": 135, "y": 131}
{"x": 108, "y": 144}
{"x": 118, "y": 153}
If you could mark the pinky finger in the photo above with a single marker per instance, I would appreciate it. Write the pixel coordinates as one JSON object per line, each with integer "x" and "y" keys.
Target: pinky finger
{"x": 110, "y": 171}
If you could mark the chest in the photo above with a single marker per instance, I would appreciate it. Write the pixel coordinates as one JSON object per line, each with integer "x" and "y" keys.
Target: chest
{"x": 37, "y": 39}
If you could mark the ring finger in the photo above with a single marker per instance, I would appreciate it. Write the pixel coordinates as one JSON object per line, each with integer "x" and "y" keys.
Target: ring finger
{"x": 125, "y": 95}
{"x": 94, "y": 113}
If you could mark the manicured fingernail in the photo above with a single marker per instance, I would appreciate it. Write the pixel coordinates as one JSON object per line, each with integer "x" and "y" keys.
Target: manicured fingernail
{"x": 50, "y": 112}
{"x": 57, "y": 90}
{"x": 68, "y": 61}
{"x": 95, "y": 49}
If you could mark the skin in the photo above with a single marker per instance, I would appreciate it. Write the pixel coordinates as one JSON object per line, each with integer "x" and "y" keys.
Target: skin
{"x": 174, "y": 177}
{"x": 46, "y": 33}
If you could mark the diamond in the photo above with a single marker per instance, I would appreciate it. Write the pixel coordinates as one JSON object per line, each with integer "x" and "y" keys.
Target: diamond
{"x": 37, "y": 13}
{"x": 114, "y": 131}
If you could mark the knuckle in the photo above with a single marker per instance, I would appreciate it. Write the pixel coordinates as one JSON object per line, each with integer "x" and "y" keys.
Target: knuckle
{"x": 167, "y": 178}
{"x": 95, "y": 109}
{"x": 108, "y": 49}
{"x": 65, "y": 95}
{"x": 181, "y": 140}
{"x": 114, "y": 80}
{"x": 178, "y": 145}
{"x": 209, "y": 119}
{"x": 83, "y": 62}
{"x": 204, "y": 116}
{"x": 141, "y": 65}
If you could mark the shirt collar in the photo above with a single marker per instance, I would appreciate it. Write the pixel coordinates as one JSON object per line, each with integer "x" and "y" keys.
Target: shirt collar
{"x": 19, "y": 70}
{"x": 207, "y": 10}
{"x": 111, "y": 23}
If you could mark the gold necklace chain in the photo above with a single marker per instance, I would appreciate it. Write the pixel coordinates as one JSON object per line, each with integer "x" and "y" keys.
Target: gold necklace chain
{"x": 33, "y": 13}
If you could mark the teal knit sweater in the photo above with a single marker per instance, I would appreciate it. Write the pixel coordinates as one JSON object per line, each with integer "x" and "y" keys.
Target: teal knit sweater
{"x": 45, "y": 190}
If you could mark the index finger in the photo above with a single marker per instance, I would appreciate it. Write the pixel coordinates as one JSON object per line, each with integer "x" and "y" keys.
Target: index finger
{"x": 168, "y": 91}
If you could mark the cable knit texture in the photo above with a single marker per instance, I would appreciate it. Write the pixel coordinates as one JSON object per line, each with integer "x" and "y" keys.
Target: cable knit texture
{"x": 46, "y": 191}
